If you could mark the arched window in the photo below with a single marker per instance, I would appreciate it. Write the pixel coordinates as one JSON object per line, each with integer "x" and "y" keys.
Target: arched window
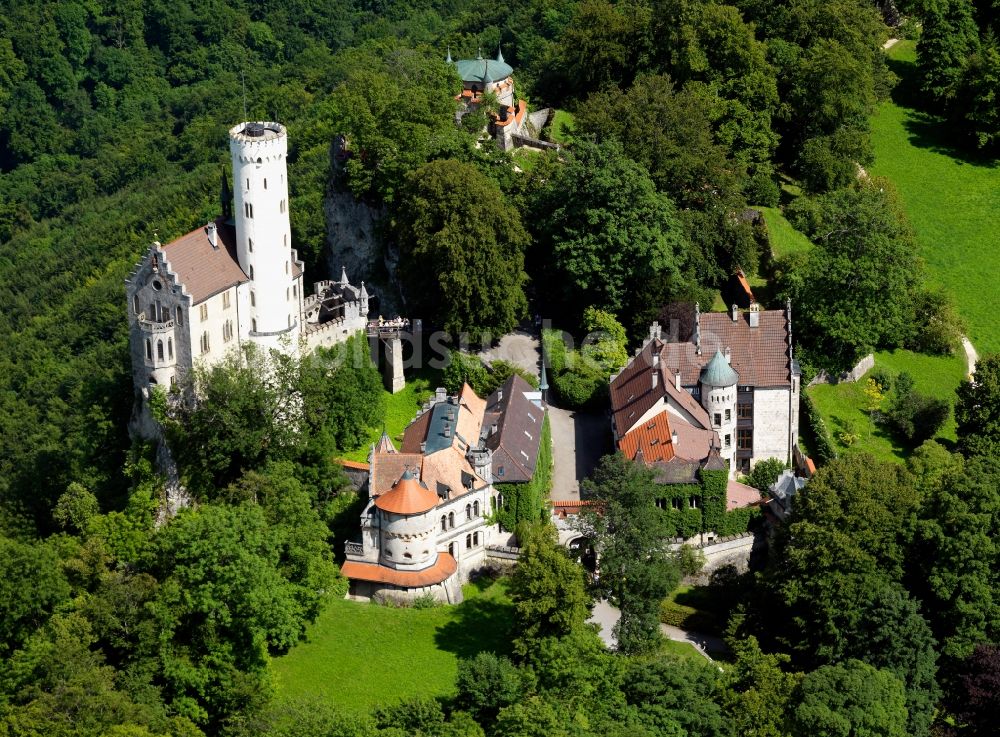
{"x": 170, "y": 348}
{"x": 253, "y": 325}
{"x": 253, "y": 299}
{"x": 248, "y": 182}
{"x": 468, "y": 541}
{"x": 259, "y": 161}
{"x": 159, "y": 350}
{"x": 451, "y": 549}
{"x": 444, "y": 523}
{"x": 408, "y": 556}
{"x": 149, "y": 350}
{"x": 180, "y": 316}
{"x": 475, "y": 539}
{"x": 475, "y": 508}
{"x": 295, "y": 291}
{"x": 451, "y": 520}
{"x": 468, "y": 511}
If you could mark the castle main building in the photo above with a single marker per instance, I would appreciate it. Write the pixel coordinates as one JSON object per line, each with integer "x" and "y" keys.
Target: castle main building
{"x": 235, "y": 280}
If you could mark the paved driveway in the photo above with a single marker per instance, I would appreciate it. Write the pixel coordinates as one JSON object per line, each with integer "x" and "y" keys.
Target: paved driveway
{"x": 579, "y": 440}
{"x": 519, "y": 348}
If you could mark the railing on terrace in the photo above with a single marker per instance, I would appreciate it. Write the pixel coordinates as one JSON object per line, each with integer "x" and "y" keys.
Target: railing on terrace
{"x": 150, "y": 326}
{"x": 352, "y": 548}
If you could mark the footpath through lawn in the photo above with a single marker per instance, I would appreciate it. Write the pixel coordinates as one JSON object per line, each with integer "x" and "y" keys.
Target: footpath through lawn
{"x": 951, "y": 196}
{"x": 357, "y": 656}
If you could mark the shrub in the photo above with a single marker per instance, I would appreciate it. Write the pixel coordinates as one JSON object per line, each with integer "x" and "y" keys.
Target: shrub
{"x": 425, "y": 601}
{"x": 940, "y": 326}
{"x": 765, "y": 473}
{"x": 914, "y": 416}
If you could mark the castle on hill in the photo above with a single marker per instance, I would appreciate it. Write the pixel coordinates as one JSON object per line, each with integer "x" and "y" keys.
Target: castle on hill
{"x": 236, "y": 280}
{"x": 511, "y": 125}
{"x": 429, "y": 522}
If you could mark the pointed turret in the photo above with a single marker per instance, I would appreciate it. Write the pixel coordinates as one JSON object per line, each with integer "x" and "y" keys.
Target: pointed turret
{"x": 363, "y": 297}
{"x": 384, "y": 444}
{"x": 448, "y": 59}
{"x": 343, "y": 276}
{"x": 500, "y": 55}
{"x": 487, "y": 79}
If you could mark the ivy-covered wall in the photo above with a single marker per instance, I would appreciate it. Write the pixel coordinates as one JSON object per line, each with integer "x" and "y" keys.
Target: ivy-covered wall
{"x": 526, "y": 502}
{"x": 711, "y": 514}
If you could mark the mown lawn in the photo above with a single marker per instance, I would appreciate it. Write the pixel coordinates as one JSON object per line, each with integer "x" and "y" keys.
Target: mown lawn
{"x": 951, "y": 196}
{"x": 843, "y": 406}
{"x": 359, "y": 655}
{"x": 400, "y": 410}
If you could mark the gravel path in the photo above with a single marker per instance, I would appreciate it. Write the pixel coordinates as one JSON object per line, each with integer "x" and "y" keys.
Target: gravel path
{"x": 970, "y": 355}
{"x": 519, "y": 348}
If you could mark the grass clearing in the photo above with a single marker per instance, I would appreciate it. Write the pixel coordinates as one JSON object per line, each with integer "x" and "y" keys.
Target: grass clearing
{"x": 951, "y": 197}
{"x": 400, "y": 409}
{"x": 525, "y": 158}
{"x": 561, "y": 122}
{"x": 358, "y": 655}
{"x": 843, "y": 406}
{"x": 784, "y": 238}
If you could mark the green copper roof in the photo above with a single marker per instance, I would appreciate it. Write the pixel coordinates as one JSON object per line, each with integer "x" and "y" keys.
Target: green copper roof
{"x": 476, "y": 70}
{"x": 718, "y": 372}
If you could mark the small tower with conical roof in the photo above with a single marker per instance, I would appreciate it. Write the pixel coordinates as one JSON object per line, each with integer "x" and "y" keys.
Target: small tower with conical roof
{"x": 718, "y": 382}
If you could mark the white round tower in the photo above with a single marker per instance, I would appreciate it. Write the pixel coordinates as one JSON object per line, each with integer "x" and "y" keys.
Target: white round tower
{"x": 409, "y": 525}
{"x": 718, "y": 396}
{"x": 268, "y": 314}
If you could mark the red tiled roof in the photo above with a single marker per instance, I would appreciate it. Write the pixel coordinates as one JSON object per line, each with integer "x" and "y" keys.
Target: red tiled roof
{"x": 352, "y": 464}
{"x": 202, "y": 269}
{"x": 386, "y": 469}
{"x": 652, "y": 439}
{"x": 693, "y": 443}
{"x": 443, "y": 567}
{"x": 740, "y": 495}
{"x": 407, "y": 496}
{"x": 759, "y": 355}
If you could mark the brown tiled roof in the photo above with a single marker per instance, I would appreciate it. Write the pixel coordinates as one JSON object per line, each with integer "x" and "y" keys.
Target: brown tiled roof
{"x": 449, "y": 468}
{"x": 519, "y": 431}
{"x": 633, "y": 393}
{"x": 202, "y": 269}
{"x": 443, "y": 567}
{"x": 651, "y": 439}
{"x": 470, "y": 415}
{"x": 387, "y": 468}
{"x": 759, "y": 355}
{"x": 693, "y": 443}
{"x": 407, "y": 496}
{"x": 740, "y": 495}
{"x": 353, "y": 464}
{"x": 416, "y": 433}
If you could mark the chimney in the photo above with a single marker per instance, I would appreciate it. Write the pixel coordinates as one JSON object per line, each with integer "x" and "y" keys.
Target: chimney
{"x": 656, "y": 378}
{"x": 677, "y": 380}
{"x": 654, "y": 330}
{"x": 754, "y": 315}
{"x": 736, "y": 313}
{"x": 673, "y": 437}
{"x": 729, "y": 355}
{"x": 212, "y": 235}
{"x": 440, "y": 394}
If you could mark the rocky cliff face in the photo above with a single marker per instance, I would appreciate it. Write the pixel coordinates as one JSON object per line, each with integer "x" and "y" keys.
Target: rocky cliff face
{"x": 355, "y": 241}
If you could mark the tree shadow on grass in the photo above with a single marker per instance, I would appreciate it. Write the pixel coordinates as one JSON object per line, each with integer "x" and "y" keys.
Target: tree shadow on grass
{"x": 927, "y": 130}
{"x": 482, "y": 624}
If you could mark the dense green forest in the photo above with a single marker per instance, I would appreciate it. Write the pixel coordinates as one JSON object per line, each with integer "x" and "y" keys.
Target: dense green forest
{"x": 113, "y": 120}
